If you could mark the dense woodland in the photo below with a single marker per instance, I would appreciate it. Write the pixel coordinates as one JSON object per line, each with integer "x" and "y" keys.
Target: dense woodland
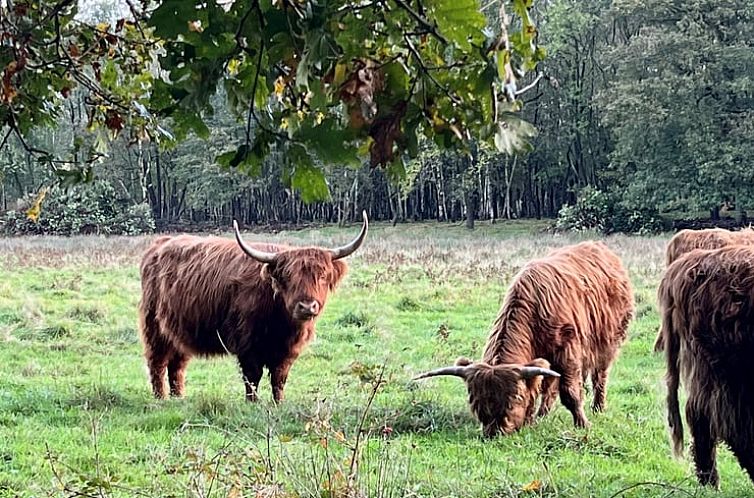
{"x": 650, "y": 102}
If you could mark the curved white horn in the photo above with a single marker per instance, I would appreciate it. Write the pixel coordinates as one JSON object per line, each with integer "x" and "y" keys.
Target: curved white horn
{"x": 261, "y": 256}
{"x": 348, "y": 249}
{"x": 455, "y": 371}
{"x": 529, "y": 372}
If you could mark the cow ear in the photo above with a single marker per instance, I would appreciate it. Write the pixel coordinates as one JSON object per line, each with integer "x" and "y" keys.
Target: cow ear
{"x": 265, "y": 272}
{"x": 539, "y": 362}
{"x": 339, "y": 269}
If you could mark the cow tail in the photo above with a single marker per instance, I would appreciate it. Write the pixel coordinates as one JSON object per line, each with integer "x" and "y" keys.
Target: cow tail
{"x": 672, "y": 350}
{"x": 659, "y": 341}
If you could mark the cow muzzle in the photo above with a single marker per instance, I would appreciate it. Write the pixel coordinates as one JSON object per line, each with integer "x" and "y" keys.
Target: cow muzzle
{"x": 306, "y": 310}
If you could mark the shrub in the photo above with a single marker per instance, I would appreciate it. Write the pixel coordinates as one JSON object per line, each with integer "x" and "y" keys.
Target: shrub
{"x": 601, "y": 211}
{"x": 84, "y": 209}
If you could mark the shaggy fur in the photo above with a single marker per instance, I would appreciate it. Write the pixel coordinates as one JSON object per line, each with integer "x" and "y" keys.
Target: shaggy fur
{"x": 572, "y": 309}
{"x": 707, "y": 306}
{"x": 711, "y": 238}
{"x": 500, "y": 397}
{"x": 686, "y": 241}
{"x": 203, "y": 296}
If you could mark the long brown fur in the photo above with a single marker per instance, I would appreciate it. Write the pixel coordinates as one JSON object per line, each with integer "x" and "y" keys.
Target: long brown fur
{"x": 706, "y": 300}
{"x": 686, "y": 241}
{"x": 711, "y": 238}
{"x": 571, "y": 308}
{"x": 203, "y": 296}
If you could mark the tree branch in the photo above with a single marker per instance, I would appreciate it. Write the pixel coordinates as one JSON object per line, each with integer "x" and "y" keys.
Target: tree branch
{"x": 530, "y": 85}
{"x": 431, "y": 28}
{"x": 424, "y": 68}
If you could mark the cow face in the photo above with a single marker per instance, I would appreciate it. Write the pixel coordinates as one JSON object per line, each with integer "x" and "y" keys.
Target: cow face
{"x": 502, "y": 397}
{"x": 304, "y": 277}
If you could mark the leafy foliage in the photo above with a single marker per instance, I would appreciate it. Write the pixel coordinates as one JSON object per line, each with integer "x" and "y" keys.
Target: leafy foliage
{"x": 600, "y": 211}
{"x": 318, "y": 82}
{"x": 47, "y": 54}
{"x": 93, "y": 208}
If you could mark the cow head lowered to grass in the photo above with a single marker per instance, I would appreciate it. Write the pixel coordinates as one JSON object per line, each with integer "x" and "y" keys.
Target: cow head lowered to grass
{"x": 502, "y": 397}
{"x": 204, "y": 296}
{"x": 568, "y": 311}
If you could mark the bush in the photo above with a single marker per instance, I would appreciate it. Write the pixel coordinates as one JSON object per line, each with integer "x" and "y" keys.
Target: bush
{"x": 601, "y": 211}
{"x": 84, "y": 209}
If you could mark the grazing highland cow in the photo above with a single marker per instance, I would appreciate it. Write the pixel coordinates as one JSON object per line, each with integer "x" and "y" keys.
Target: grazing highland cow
{"x": 211, "y": 296}
{"x": 707, "y": 306}
{"x": 570, "y": 311}
{"x": 686, "y": 241}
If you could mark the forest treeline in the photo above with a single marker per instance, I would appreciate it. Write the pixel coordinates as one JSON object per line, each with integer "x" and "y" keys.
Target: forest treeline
{"x": 651, "y": 103}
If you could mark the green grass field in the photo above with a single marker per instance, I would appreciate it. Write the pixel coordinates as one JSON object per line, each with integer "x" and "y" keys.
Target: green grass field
{"x": 77, "y": 417}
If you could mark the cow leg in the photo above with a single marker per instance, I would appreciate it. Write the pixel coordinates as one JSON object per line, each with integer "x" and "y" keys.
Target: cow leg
{"x": 571, "y": 392}
{"x": 744, "y": 455}
{"x": 599, "y": 383}
{"x": 703, "y": 446}
{"x": 549, "y": 395}
{"x": 278, "y": 377}
{"x": 177, "y": 373}
{"x": 156, "y": 349}
{"x": 157, "y": 353}
{"x": 251, "y": 369}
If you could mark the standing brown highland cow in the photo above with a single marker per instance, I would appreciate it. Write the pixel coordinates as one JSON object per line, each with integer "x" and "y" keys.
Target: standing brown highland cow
{"x": 569, "y": 311}
{"x": 707, "y": 307}
{"x": 204, "y": 296}
{"x": 686, "y": 241}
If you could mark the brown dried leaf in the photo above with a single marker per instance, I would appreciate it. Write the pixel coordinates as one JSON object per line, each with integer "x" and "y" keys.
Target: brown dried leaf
{"x": 114, "y": 121}
{"x": 358, "y": 92}
{"x": 385, "y": 131}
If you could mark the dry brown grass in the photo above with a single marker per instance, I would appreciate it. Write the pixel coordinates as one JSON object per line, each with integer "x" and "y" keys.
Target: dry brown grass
{"x": 443, "y": 251}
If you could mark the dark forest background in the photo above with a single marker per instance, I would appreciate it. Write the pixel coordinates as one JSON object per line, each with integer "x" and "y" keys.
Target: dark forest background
{"x": 646, "y": 107}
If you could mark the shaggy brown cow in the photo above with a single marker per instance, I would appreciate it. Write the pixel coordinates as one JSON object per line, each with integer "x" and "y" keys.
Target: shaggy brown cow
{"x": 712, "y": 238}
{"x": 569, "y": 310}
{"x": 211, "y": 296}
{"x": 707, "y": 306}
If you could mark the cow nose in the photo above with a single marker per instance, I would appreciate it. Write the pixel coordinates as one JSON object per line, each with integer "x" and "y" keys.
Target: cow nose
{"x": 310, "y": 308}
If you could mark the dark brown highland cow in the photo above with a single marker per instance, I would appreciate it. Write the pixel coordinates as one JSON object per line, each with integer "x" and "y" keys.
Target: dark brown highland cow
{"x": 707, "y": 306}
{"x": 686, "y": 241}
{"x": 570, "y": 311}
{"x": 204, "y": 296}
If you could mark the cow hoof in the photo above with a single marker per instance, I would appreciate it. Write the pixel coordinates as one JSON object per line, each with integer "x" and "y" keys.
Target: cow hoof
{"x": 583, "y": 424}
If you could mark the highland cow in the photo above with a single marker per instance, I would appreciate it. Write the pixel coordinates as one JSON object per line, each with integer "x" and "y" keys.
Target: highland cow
{"x": 707, "y": 306}
{"x": 711, "y": 238}
{"x": 686, "y": 241}
{"x": 564, "y": 318}
{"x": 204, "y": 296}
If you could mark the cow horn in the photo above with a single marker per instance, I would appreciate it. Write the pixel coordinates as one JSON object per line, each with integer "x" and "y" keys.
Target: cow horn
{"x": 529, "y": 372}
{"x": 348, "y": 249}
{"x": 261, "y": 256}
{"x": 455, "y": 371}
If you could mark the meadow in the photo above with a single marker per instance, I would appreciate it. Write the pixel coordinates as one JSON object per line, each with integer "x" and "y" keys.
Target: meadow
{"x": 77, "y": 417}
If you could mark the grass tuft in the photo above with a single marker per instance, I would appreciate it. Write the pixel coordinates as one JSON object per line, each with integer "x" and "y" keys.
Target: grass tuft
{"x": 408, "y": 303}
{"x": 86, "y": 314}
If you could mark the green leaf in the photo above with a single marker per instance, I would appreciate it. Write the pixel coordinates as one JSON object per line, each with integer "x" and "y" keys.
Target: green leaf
{"x": 329, "y": 142}
{"x": 186, "y": 121}
{"x": 513, "y": 134}
{"x": 307, "y": 179}
{"x": 461, "y": 21}
{"x": 171, "y": 18}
